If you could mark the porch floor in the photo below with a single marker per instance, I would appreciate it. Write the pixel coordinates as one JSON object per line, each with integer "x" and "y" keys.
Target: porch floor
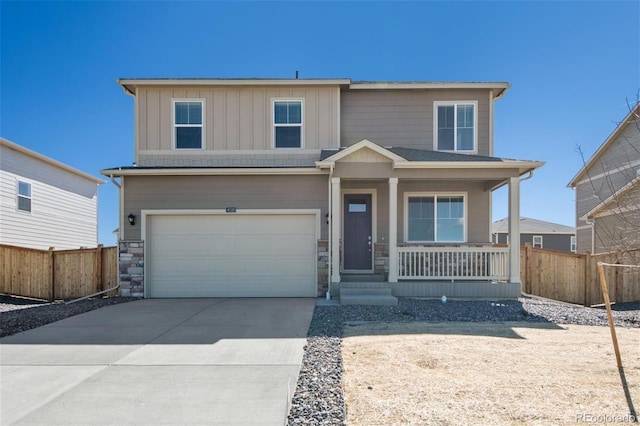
{"x": 436, "y": 289}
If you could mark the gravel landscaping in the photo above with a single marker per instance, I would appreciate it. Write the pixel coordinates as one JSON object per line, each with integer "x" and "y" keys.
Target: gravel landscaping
{"x": 18, "y": 314}
{"x": 319, "y": 397}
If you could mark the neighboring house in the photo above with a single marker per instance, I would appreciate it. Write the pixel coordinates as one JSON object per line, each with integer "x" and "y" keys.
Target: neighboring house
{"x": 538, "y": 233}
{"x": 289, "y": 187}
{"x": 44, "y": 203}
{"x": 607, "y": 192}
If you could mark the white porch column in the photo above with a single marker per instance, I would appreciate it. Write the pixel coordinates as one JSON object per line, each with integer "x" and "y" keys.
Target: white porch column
{"x": 514, "y": 229}
{"x": 336, "y": 217}
{"x": 393, "y": 230}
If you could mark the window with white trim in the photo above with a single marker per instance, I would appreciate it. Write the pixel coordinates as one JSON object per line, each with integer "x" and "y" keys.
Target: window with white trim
{"x": 537, "y": 241}
{"x": 188, "y": 127}
{"x": 435, "y": 218}
{"x": 455, "y": 126}
{"x": 573, "y": 243}
{"x": 287, "y": 123}
{"x": 24, "y": 196}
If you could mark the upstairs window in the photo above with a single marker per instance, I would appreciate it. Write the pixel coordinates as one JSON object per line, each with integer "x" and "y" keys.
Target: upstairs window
{"x": 573, "y": 243}
{"x": 435, "y": 218}
{"x": 287, "y": 124}
{"x": 24, "y": 196}
{"x": 537, "y": 241}
{"x": 455, "y": 126}
{"x": 187, "y": 123}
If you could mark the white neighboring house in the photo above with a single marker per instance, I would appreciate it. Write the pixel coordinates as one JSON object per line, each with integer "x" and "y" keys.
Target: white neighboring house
{"x": 45, "y": 203}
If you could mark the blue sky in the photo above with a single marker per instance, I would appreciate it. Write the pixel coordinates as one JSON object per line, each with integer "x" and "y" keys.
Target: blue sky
{"x": 572, "y": 65}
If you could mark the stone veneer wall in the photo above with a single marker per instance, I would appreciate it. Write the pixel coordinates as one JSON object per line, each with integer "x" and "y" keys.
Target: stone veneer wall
{"x": 381, "y": 259}
{"x": 323, "y": 267}
{"x": 131, "y": 267}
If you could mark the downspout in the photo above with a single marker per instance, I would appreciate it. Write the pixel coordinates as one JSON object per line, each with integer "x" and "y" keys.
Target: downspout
{"x": 329, "y": 225}
{"x": 522, "y": 179}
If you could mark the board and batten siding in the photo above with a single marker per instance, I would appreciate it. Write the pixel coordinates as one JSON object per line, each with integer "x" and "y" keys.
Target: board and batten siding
{"x": 219, "y": 192}
{"x": 236, "y": 119}
{"x": 404, "y": 118}
{"x": 64, "y": 206}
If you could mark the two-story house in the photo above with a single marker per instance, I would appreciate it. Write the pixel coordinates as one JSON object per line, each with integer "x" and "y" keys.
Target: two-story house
{"x": 290, "y": 187}
{"x": 607, "y": 191}
{"x": 45, "y": 203}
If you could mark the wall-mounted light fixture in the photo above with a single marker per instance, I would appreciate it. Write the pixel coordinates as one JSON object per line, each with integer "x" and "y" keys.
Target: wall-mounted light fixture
{"x": 132, "y": 219}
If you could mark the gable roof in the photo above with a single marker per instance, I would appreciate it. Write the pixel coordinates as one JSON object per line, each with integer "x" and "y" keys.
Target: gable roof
{"x": 633, "y": 116}
{"x": 12, "y": 145}
{"x": 532, "y": 226}
{"x": 422, "y": 158}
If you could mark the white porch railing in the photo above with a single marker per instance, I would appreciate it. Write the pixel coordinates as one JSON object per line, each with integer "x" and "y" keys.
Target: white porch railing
{"x": 449, "y": 263}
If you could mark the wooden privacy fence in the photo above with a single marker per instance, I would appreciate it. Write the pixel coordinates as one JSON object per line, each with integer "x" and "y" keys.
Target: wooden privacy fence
{"x": 573, "y": 277}
{"x": 57, "y": 274}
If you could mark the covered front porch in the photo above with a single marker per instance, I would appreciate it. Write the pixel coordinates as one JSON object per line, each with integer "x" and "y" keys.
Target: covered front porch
{"x": 420, "y": 228}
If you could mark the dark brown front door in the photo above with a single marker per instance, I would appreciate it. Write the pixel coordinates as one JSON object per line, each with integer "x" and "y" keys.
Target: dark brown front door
{"x": 357, "y": 244}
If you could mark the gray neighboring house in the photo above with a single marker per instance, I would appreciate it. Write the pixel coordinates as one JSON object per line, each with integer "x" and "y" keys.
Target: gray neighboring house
{"x": 538, "y": 233}
{"x": 45, "y": 203}
{"x": 607, "y": 191}
{"x": 299, "y": 187}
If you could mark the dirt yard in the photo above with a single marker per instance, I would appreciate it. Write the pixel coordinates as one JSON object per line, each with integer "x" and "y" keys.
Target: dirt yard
{"x": 487, "y": 373}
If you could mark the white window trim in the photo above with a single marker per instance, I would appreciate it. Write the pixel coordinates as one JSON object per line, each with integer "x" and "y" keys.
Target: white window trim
{"x": 173, "y": 123}
{"x": 18, "y": 196}
{"x": 437, "y": 104}
{"x": 273, "y": 122}
{"x": 573, "y": 244}
{"x": 533, "y": 242}
{"x": 435, "y": 194}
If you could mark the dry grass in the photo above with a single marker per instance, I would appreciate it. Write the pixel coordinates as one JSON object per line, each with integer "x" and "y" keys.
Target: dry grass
{"x": 483, "y": 373}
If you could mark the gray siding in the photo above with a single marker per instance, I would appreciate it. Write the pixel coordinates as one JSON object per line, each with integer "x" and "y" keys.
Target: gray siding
{"x": 404, "y": 118}
{"x": 236, "y": 120}
{"x": 616, "y": 167}
{"x": 558, "y": 242}
{"x": 219, "y": 192}
{"x": 620, "y": 230}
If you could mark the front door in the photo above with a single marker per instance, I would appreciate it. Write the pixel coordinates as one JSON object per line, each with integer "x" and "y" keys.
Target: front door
{"x": 357, "y": 242}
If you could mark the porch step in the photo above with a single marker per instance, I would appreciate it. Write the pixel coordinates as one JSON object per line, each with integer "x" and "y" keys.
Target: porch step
{"x": 359, "y": 278}
{"x": 367, "y": 296}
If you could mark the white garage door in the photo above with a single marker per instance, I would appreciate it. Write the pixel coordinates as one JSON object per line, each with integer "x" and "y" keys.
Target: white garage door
{"x": 231, "y": 255}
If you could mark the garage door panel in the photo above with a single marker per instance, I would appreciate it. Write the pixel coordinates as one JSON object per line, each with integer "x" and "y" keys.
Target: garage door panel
{"x": 232, "y": 256}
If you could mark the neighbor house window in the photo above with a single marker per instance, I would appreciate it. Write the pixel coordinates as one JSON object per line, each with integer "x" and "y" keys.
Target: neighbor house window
{"x": 287, "y": 124}
{"x": 24, "y": 196}
{"x": 435, "y": 218}
{"x": 537, "y": 241}
{"x": 187, "y": 122}
{"x": 573, "y": 243}
{"x": 455, "y": 126}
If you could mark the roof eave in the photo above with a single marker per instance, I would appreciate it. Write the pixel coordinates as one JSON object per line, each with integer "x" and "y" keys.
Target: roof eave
{"x": 621, "y": 126}
{"x": 51, "y": 161}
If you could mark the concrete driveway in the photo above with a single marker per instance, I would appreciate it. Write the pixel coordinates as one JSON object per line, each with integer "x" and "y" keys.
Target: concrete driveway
{"x": 158, "y": 361}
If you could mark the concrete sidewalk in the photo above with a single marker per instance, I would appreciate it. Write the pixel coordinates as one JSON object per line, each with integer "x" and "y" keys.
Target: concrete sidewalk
{"x": 158, "y": 361}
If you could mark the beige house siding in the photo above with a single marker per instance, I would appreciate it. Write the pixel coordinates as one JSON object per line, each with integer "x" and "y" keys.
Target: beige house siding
{"x": 237, "y": 120}
{"x": 404, "y": 118}
{"x": 477, "y": 203}
{"x": 219, "y": 192}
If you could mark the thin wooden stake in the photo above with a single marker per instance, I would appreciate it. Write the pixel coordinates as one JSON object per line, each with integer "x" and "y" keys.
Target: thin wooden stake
{"x": 605, "y": 294}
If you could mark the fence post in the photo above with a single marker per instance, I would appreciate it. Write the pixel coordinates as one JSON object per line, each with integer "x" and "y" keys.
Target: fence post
{"x": 98, "y": 276}
{"x": 588, "y": 279}
{"x": 52, "y": 274}
{"x": 525, "y": 267}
